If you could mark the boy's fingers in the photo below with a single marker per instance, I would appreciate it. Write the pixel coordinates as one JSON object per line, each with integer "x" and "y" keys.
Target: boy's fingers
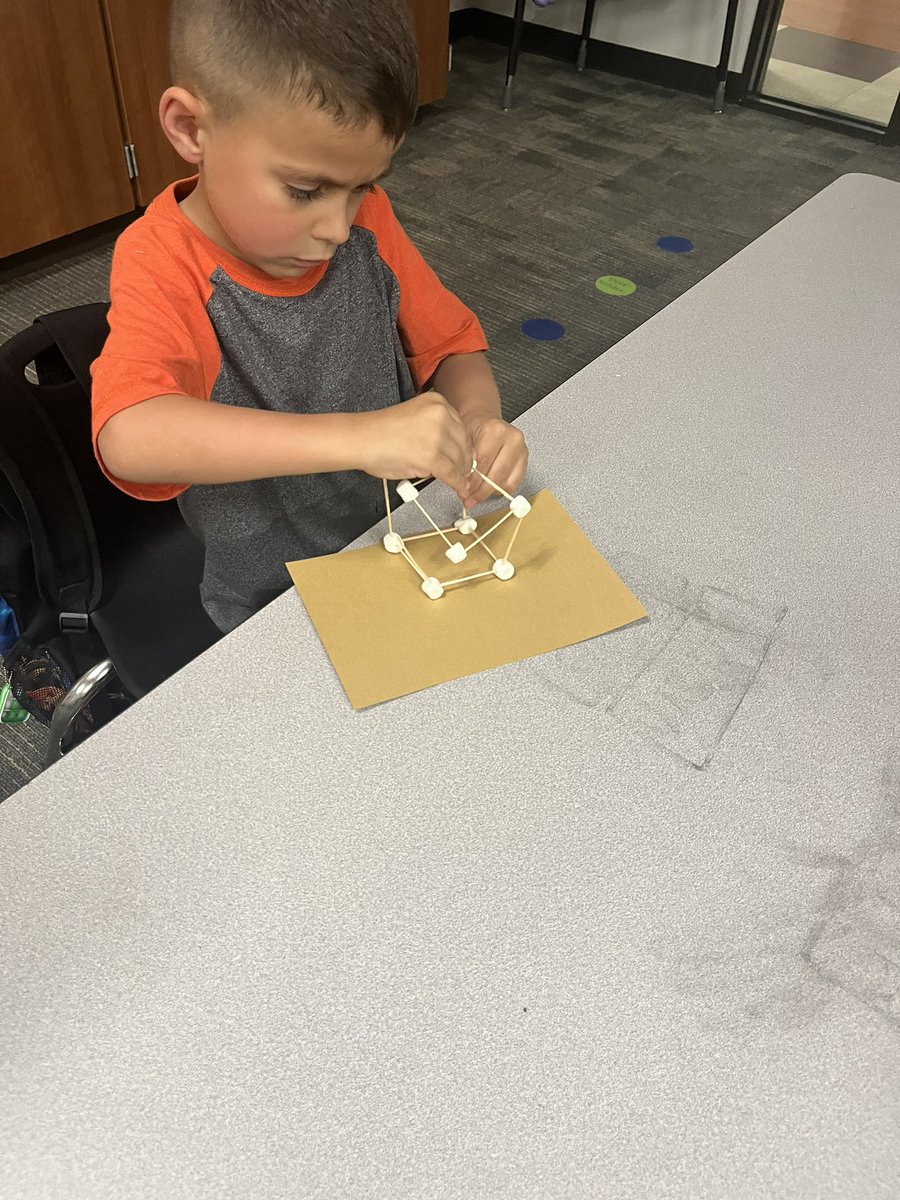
{"x": 478, "y": 490}
{"x": 471, "y": 499}
{"x": 465, "y": 458}
{"x": 509, "y": 468}
{"x": 448, "y": 471}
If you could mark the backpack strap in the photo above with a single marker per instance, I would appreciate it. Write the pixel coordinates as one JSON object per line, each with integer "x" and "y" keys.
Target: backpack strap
{"x": 79, "y": 334}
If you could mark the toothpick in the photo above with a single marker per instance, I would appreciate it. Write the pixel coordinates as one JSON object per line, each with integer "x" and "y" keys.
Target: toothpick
{"x": 495, "y": 486}
{"x": 437, "y": 527}
{"x": 488, "y": 532}
{"x": 412, "y": 562}
{"x": 417, "y": 536}
{"x": 387, "y": 505}
{"x": 514, "y": 536}
{"x": 468, "y": 578}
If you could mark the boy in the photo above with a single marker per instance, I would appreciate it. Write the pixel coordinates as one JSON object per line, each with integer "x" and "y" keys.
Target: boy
{"x": 276, "y": 342}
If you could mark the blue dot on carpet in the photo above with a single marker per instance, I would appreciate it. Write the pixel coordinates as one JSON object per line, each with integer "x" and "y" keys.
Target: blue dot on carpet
{"x": 542, "y": 330}
{"x": 675, "y": 245}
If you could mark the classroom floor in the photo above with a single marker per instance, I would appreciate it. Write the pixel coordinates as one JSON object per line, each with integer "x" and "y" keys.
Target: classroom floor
{"x": 521, "y": 213}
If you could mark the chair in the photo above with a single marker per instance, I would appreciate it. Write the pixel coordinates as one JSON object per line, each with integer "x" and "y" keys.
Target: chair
{"x": 586, "y": 24}
{"x": 106, "y": 582}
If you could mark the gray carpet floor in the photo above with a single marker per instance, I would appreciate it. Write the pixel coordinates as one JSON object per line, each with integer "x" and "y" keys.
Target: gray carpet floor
{"x": 521, "y": 212}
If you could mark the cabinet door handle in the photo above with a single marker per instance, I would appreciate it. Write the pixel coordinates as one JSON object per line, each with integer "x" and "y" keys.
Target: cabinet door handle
{"x": 131, "y": 160}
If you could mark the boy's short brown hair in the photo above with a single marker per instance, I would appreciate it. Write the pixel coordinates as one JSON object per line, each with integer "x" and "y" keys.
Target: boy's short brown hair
{"x": 354, "y": 59}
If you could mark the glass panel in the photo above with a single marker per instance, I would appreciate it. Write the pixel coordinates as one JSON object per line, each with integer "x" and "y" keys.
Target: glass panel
{"x": 840, "y": 55}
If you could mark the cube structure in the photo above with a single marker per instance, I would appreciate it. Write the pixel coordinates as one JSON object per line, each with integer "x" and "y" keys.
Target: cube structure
{"x": 461, "y": 539}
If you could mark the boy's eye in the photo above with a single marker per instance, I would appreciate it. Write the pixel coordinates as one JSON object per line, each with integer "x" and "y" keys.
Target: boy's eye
{"x": 306, "y": 194}
{"x": 302, "y": 194}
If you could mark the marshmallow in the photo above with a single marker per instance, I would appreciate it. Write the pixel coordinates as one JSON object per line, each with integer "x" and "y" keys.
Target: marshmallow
{"x": 465, "y": 525}
{"x": 502, "y": 568}
{"x": 456, "y": 553}
{"x": 520, "y": 506}
{"x": 406, "y": 491}
{"x": 393, "y": 543}
{"x": 432, "y": 588}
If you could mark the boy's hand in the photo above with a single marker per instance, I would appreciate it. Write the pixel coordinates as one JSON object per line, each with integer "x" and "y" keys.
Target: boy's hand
{"x": 500, "y": 453}
{"x": 422, "y": 437}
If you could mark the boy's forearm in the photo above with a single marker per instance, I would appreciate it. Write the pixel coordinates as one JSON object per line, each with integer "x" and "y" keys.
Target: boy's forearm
{"x": 467, "y": 381}
{"x": 177, "y": 439}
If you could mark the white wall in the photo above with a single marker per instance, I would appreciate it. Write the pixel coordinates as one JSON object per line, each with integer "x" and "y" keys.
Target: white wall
{"x": 686, "y": 29}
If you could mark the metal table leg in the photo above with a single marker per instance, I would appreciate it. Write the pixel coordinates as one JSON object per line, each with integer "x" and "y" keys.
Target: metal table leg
{"x": 722, "y": 68}
{"x": 513, "y": 60}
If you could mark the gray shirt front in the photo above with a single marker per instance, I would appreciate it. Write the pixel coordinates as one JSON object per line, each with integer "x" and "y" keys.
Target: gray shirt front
{"x": 333, "y": 349}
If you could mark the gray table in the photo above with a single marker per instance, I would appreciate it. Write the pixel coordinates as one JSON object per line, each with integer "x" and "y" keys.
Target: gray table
{"x": 618, "y": 922}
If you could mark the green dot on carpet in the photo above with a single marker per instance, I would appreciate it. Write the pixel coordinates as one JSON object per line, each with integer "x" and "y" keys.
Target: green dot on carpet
{"x": 615, "y": 285}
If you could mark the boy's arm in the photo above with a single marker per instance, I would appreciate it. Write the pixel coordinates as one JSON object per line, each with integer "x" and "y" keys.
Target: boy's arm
{"x": 180, "y": 439}
{"x": 468, "y": 383}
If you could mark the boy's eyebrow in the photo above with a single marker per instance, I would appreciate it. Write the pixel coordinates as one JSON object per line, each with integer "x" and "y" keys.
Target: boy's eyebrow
{"x": 320, "y": 180}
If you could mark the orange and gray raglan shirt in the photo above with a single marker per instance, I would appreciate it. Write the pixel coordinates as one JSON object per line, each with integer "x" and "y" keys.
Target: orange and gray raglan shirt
{"x": 364, "y": 331}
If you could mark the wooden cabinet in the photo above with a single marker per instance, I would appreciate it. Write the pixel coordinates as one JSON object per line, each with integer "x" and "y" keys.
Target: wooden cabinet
{"x": 62, "y": 163}
{"x": 139, "y": 48}
{"x": 79, "y": 81}
{"x": 431, "y": 21}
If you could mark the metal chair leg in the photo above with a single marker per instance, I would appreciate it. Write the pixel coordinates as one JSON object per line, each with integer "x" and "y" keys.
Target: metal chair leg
{"x": 513, "y": 60}
{"x": 722, "y": 68}
{"x": 586, "y": 24}
{"x": 69, "y": 708}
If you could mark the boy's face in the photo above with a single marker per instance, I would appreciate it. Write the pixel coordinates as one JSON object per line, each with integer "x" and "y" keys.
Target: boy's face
{"x": 280, "y": 186}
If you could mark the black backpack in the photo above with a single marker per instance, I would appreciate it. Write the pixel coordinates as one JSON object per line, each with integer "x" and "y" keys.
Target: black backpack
{"x": 89, "y": 572}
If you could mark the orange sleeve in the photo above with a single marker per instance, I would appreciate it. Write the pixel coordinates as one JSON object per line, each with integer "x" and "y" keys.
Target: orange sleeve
{"x": 433, "y": 323}
{"x": 160, "y": 342}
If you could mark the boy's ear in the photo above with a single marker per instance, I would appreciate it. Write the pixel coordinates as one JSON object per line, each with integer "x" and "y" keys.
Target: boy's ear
{"x": 183, "y": 117}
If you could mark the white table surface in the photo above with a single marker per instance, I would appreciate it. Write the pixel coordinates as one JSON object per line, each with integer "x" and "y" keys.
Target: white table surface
{"x": 623, "y": 921}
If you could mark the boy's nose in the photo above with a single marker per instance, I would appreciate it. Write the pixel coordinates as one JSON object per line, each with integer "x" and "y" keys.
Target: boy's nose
{"x": 333, "y": 226}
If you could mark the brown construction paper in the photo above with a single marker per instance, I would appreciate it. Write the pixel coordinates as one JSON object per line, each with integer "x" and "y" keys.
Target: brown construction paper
{"x": 385, "y": 638}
